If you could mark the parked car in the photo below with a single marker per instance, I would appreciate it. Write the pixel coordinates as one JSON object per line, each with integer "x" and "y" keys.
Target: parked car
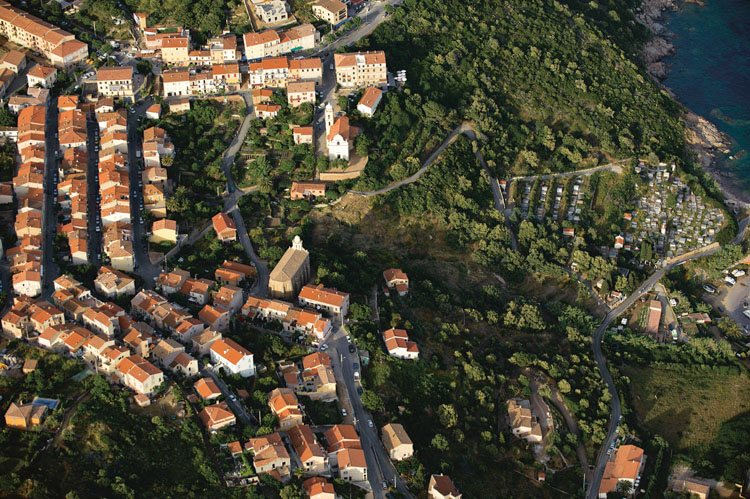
{"x": 343, "y": 412}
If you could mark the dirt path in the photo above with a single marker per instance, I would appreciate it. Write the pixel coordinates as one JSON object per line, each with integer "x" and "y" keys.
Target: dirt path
{"x": 66, "y": 418}
{"x": 572, "y": 424}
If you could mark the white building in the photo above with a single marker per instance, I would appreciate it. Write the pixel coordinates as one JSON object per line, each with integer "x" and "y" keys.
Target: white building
{"x": 232, "y": 357}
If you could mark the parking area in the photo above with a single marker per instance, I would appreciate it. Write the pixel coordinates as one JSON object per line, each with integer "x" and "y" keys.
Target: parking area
{"x": 733, "y": 301}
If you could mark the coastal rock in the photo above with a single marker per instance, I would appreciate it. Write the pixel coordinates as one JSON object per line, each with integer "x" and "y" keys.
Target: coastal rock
{"x": 651, "y": 10}
{"x": 703, "y": 132}
{"x": 657, "y": 70}
{"x": 657, "y": 49}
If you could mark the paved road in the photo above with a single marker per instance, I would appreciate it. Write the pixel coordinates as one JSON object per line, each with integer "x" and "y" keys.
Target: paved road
{"x": 741, "y": 229}
{"x": 615, "y": 167}
{"x": 590, "y": 288}
{"x": 92, "y": 191}
{"x": 465, "y": 128}
{"x": 49, "y": 202}
{"x": 372, "y": 16}
{"x": 616, "y": 412}
{"x": 145, "y": 268}
{"x": 238, "y": 408}
{"x": 260, "y": 288}
{"x": 379, "y": 466}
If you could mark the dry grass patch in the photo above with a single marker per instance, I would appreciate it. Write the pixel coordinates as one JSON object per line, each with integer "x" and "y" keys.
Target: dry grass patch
{"x": 687, "y": 409}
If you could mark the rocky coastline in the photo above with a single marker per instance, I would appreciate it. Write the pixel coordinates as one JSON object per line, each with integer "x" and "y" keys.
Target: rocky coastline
{"x": 703, "y": 138}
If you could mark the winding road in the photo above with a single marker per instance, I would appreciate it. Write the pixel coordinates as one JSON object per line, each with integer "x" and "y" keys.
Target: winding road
{"x": 260, "y": 288}
{"x": 593, "y": 488}
{"x": 615, "y": 167}
{"x": 464, "y": 128}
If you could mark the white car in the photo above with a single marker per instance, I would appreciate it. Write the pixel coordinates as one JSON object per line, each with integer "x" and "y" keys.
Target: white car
{"x": 369, "y": 423}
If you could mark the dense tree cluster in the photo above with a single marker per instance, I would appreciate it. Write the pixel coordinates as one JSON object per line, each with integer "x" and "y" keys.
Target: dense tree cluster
{"x": 205, "y": 18}
{"x": 554, "y": 84}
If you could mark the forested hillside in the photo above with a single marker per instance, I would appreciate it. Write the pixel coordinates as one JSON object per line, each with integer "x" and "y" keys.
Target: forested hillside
{"x": 556, "y": 85}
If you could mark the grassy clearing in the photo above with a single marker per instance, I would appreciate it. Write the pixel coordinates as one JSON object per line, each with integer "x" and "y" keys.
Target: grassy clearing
{"x": 685, "y": 408}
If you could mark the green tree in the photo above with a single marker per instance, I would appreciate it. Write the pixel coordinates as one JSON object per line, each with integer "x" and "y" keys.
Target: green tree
{"x": 372, "y": 401}
{"x": 440, "y": 442}
{"x": 447, "y": 415}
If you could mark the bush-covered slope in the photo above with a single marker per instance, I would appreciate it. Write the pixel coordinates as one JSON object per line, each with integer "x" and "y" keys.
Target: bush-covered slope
{"x": 555, "y": 85}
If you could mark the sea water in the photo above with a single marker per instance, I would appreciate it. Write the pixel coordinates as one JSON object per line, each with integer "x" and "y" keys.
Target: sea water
{"x": 710, "y": 70}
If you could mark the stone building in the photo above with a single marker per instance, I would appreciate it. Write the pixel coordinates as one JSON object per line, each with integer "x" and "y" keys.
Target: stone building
{"x": 291, "y": 273}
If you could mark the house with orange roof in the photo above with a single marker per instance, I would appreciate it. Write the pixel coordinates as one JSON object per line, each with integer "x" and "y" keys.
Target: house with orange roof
{"x": 227, "y": 276}
{"x": 196, "y": 290}
{"x": 115, "y": 82}
{"x": 139, "y": 374}
{"x": 215, "y": 317}
{"x": 224, "y": 227}
{"x": 316, "y": 380}
{"x": 207, "y": 389}
{"x": 307, "y": 190}
{"x": 397, "y": 442}
{"x": 269, "y": 454}
{"x": 319, "y": 488}
{"x": 398, "y": 345}
{"x": 285, "y": 406}
{"x": 626, "y": 465}
{"x": 95, "y": 344}
{"x": 25, "y": 416}
{"x": 307, "y": 69}
{"x": 270, "y": 43}
{"x": 303, "y": 135}
{"x": 171, "y": 282}
{"x": 398, "y": 280}
{"x": 248, "y": 270}
{"x": 217, "y": 416}
{"x": 235, "y": 359}
{"x": 331, "y": 300}
{"x": 230, "y": 298}
{"x": 310, "y": 452}
{"x": 361, "y": 69}
{"x": 267, "y": 110}
{"x": 67, "y": 103}
{"x": 153, "y": 112}
{"x": 139, "y": 337}
{"x": 339, "y": 438}
{"x": 352, "y": 465}
{"x": 14, "y": 61}
{"x": 441, "y": 487}
{"x": 300, "y": 92}
{"x": 188, "y": 328}
{"x": 175, "y": 50}
{"x": 16, "y": 324}
{"x": 51, "y": 337}
{"x": 370, "y": 101}
{"x": 41, "y": 76}
{"x": 100, "y": 322}
{"x": 28, "y": 283}
{"x": 73, "y": 340}
{"x": 334, "y": 12}
{"x": 111, "y": 282}
{"x": 110, "y": 357}
{"x": 654, "y": 317}
{"x": 262, "y": 96}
